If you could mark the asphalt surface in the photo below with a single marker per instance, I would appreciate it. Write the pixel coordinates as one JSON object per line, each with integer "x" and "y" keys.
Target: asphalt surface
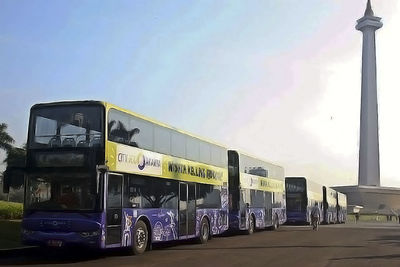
{"x": 333, "y": 245}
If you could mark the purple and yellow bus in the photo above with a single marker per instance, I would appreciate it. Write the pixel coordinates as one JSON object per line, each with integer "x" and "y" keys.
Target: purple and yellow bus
{"x": 341, "y": 207}
{"x": 301, "y": 196}
{"x": 256, "y": 193}
{"x": 101, "y": 176}
{"x": 329, "y": 205}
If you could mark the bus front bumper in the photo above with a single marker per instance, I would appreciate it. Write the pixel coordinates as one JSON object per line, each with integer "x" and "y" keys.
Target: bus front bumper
{"x": 62, "y": 239}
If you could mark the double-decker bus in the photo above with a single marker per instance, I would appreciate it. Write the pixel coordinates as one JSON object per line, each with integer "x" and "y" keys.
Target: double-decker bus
{"x": 301, "y": 196}
{"x": 341, "y": 207}
{"x": 256, "y": 193}
{"x": 329, "y": 205}
{"x": 101, "y": 176}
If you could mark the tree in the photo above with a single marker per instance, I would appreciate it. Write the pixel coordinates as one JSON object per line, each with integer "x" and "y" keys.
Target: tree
{"x": 15, "y": 160}
{"x": 14, "y": 174}
{"x": 6, "y": 140}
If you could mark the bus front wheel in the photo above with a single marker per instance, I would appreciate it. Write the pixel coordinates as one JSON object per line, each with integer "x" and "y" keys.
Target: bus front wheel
{"x": 204, "y": 231}
{"x": 140, "y": 238}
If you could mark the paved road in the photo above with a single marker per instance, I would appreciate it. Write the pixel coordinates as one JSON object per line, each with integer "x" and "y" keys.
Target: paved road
{"x": 336, "y": 245}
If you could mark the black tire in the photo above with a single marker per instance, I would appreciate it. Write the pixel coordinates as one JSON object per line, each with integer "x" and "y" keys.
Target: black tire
{"x": 204, "y": 231}
{"x": 140, "y": 238}
{"x": 251, "y": 228}
{"x": 275, "y": 224}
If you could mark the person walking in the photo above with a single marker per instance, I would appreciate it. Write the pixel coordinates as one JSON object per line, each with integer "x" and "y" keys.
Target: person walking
{"x": 357, "y": 217}
{"x": 315, "y": 216}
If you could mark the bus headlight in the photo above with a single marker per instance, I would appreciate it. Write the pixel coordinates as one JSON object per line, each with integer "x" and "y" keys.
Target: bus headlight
{"x": 90, "y": 234}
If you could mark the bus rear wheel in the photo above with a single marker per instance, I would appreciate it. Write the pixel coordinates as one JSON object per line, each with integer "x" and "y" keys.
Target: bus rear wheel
{"x": 204, "y": 231}
{"x": 140, "y": 238}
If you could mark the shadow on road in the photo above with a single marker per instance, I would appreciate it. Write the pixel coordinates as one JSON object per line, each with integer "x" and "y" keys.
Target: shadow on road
{"x": 393, "y": 240}
{"x": 40, "y": 256}
{"x": 260, "y": 247}
{"x": 385, "y": 257}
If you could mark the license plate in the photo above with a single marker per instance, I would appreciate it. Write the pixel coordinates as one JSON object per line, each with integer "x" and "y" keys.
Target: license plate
{"x": 54, "y": 243}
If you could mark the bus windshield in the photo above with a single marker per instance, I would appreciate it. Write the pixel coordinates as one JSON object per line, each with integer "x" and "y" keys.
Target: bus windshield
{"x": 295, "y": 186}
{"x": 61, "y": 193}
{"x": 66, "y": 126}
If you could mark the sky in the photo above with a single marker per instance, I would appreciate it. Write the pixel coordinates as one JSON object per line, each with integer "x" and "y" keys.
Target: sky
{"x": 280, "y": 80}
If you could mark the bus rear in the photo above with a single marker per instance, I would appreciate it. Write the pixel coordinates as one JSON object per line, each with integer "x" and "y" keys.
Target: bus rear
{"x": 341, "y": 207}
{"x": 63, "y": 204}
{"x": 329, "y": 205}
{"x": 256, "y": 193}
{"x": 296, "y": 199}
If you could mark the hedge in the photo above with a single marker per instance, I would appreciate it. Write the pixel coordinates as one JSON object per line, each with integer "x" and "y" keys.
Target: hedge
{"x": 10, "y": 210}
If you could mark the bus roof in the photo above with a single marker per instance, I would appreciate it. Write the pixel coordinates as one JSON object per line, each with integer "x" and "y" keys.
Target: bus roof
{"x": 68, "y": 102}
{"x": 254, "y": 157}
{"x": 108, "y": 105}
{"x": 311, "y": 185}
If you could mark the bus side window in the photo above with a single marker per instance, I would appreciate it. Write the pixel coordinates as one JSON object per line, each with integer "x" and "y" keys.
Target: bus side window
{"x": 148, "y": 192}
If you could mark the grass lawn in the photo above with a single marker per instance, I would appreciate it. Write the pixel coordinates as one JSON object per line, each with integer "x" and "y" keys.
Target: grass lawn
{"x": 10, "y": 232}
{"x": 370, "y": 218}
{"x": 10, "y": 210}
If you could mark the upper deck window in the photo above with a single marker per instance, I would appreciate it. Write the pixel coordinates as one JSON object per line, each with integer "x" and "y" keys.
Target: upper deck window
{"x": 295, "y": 186}
{"x": 66, "y": 126}
{"x": 130, "y": 130}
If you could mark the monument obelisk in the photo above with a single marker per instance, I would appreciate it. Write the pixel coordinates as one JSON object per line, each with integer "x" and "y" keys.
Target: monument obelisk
{"x": 368, "y": 170}
{"x": 368, "y": 197}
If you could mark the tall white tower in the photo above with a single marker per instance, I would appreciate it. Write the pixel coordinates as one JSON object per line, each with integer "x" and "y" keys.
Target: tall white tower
{"x": 368, "y": 171}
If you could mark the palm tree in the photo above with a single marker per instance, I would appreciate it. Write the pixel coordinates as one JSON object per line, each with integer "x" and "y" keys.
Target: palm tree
{"x": 6, "y": 140}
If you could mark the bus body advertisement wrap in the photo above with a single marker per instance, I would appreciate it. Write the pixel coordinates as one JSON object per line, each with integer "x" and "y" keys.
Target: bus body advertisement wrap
{"x": 136, "y": 181}
{"x": 260, "y": 183}
{"x": 122, "y": 158}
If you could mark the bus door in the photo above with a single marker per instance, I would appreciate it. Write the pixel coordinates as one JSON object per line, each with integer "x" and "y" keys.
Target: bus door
{"x": 114, "y": 209}
{"x": 243, "y": 209}
{"x": 268, "y": 208}
{"x": 187, "y": 209}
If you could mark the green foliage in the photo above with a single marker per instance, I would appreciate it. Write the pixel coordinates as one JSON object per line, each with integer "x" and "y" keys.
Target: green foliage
{"x": 15, "y": 160}
{"x": 15, "y": 157}
{"x": 13, "y": 175}
{"x": 371, "y": 218}
{"x": 5, "y": 139}
{"x": 10, "y": 210}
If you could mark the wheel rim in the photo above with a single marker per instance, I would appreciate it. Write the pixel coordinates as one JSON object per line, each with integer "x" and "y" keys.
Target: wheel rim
{"x": 141, "y": 238}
